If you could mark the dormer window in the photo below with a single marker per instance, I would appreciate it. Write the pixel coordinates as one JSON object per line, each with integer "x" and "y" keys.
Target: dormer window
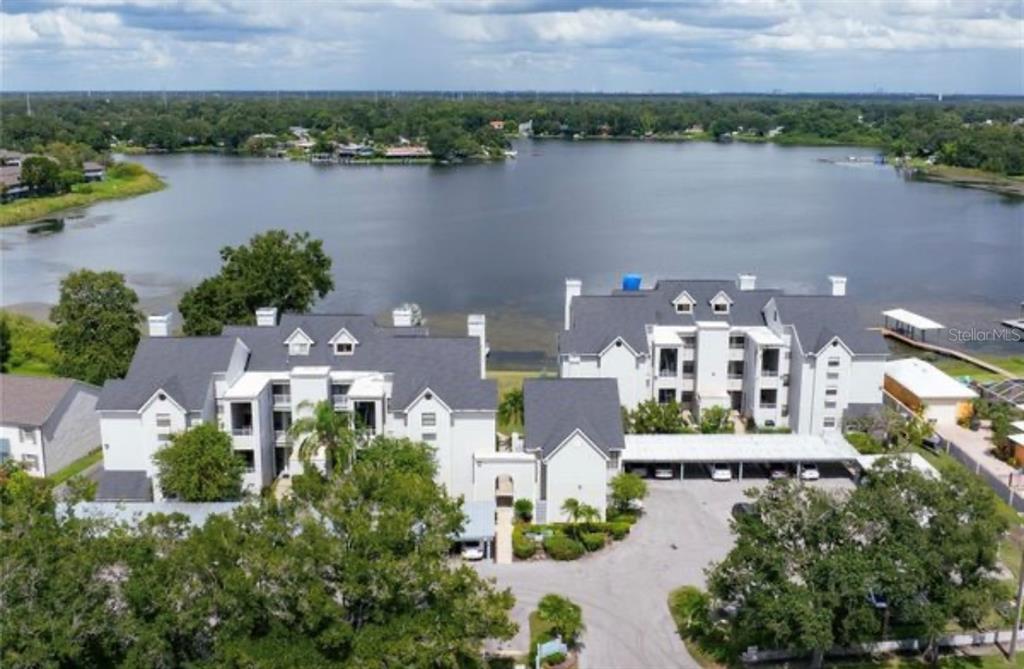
{"x": 684, "y": 303}
{"x": 720, "y": 303}
{"x": 343, "y": 342}
{"x": 298, "y": 343}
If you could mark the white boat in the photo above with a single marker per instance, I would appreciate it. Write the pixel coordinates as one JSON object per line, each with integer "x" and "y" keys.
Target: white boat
{"x": 511, "y": 153}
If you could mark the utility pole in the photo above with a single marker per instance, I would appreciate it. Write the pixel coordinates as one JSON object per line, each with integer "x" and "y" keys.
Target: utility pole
{"x": 1020, "y": 603}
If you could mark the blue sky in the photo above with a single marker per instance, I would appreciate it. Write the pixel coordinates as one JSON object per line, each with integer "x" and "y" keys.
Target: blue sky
{"x": 966, "y": 46}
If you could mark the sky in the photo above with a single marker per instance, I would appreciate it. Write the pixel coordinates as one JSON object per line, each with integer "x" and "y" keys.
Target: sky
{"x": 928, "y": 46}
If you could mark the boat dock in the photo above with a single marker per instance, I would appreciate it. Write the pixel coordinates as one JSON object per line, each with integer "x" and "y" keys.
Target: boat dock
{"x": 905, "y": 326}
{"x": 1017, "y": 323}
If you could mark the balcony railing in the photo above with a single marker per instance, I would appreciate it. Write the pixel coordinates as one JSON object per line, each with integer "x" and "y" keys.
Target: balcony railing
{"x": 668, "y": 371}
{"x": 282, "y": 398}
{"x": 769, "y": 405}
{"x": 280, "y": 436}
{"x": 341, "y": 401}
{"x": 735, "y": 375}
{"x": 242, "y": 431}
{"x": 769, "y": 372}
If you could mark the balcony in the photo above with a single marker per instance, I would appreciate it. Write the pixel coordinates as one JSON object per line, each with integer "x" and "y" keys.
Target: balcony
{"x": 244, "y": 431}
{"x": 282, "y": 398}
{"x": 768, "y": 405}
{"x": 341, "y": 402}
{"x": 281, "y": 436}
{"x": 668, "y": 372}
{"x": 770, "y": 373}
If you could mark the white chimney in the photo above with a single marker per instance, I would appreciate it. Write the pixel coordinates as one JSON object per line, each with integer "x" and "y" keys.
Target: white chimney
{"x": 476, "y": 326}
{"x": 160, "y": 326}
{"x": 406, "y": 316}
{"x": 838, "y": 285}
{"x": 746, "y": 281}
{"x": 573, "y": 288}
{"x": 266, "y": 317}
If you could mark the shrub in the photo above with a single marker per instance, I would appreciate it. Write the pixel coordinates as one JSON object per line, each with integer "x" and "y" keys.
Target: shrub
{"x": 690, "y": 609}
{"x": 561, "y": 547}
{"x": 865, "y": 443}
{"x": 523, "y": 548}
{"x": 554, "y": 659}
{"x": 524, "y": 510}
{"x": 619, "y": 531}
{"x": 593, "y": 541}
{"x": 125, "y": 170}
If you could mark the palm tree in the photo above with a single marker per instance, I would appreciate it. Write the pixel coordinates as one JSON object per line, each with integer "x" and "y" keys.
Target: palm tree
{"x": 571, "y": 508}
{"x": 510, "y": 411}
{"x": 563, "y": 617}
{"x": 327, "y": 432}
{"x": 578, "y": 513}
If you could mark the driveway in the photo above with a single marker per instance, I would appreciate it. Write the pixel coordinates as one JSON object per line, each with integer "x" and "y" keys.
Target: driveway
{"x": 624, "y": 588}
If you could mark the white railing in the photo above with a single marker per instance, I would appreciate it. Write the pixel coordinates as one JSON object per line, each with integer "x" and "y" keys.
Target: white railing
{"x": 242, "y": 431}
{"x": 282, "y": 398}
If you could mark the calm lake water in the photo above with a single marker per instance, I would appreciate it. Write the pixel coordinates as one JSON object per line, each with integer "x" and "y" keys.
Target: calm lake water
{"x": 501, "y": 238}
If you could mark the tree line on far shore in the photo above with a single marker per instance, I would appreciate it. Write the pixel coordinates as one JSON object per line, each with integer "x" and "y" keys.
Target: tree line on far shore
{"x": 986, "y": 135}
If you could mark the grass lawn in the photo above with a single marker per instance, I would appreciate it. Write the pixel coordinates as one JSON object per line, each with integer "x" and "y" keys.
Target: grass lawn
{"x": 77, "y": 467}
{"x": 511, "y": 380}
{"x": 32, "y": 350}
{"x": 135, "y": 181}
{"x": 955, "y": 367}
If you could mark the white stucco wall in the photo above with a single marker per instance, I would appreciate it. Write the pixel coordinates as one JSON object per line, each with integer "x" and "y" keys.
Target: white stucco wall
{"x": 576, "y": 470}
{"x": 523, "y": 468}
{"x": 32, "y": 445}
{"x": 631, "y": 373}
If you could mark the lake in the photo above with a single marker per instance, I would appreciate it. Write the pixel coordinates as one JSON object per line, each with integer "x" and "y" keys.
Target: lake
{"x": 501, "y": 238}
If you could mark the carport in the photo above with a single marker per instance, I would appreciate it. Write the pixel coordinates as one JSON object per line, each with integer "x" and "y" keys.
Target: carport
{"x": 671, "y": 450}
{"x": 480, "y": 526}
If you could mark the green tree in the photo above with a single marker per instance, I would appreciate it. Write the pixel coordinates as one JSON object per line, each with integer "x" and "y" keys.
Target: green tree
{"x": 805, "y": 570}
{"x": 524, "y": 509}
{"x": 5, "y": 344}
{"x": 510, "y": 410}
{"x": 714, "y": 420}
{"x": 651, "y": 417}
{"x": 273, "y": 270}
{"x": 563, "y": 617}
{"x": 97, "y": 326}
{"x": 627, "y": 487}
{"x": 326, "y": 436}
{"x": 200, "y": 465}
{"x": 42, "y": 175}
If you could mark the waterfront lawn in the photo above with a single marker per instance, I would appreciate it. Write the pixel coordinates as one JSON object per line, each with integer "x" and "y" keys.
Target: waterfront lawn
{"x": 954, "y": 367}
{"x": 122, "y": 180}
{"x": 77, "y": 467}
{"x": 32, "y": 349}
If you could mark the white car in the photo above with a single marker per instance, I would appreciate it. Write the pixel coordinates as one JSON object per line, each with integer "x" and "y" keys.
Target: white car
{"x": 663, "y": 473}
{"x": 809, "y": 473}
{"x": 721, "y": 472}
{"x": 778, "y": 471}
{"x": 473, "y": 552}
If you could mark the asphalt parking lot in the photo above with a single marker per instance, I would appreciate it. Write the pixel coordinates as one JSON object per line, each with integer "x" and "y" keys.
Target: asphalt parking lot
{"x": 624, "y": 588}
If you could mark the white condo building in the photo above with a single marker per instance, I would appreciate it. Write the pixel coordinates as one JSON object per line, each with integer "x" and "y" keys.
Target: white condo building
{"x": 798, "y": 361}
{"x": 254, "y": 381}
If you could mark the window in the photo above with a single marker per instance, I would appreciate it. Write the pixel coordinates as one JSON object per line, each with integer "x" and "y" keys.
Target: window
{"x": 833, "y": 362}
{"x": 720, "y": 308}
{"x": 667, "y": 362}
{"x": 27, "y": 435}
{"x": 689, "y": 341}
{"x": 829, "y": 422}
{"x": 428, "y": 420}
{"x": 163, "y": 420}
{"x": 282, "y": 393}
{"x": 769, "y": 397}
{"x": 737, "y": 341}
{"x": 688, "y": 369}
{"x": 430, "y": 437}
{"x": 249, "y": 458}
{"x": 832, "y": 376}
{"x": 343, "y": 348}
{"x": 194, "y": 418}
{"x": 31, "y": 462}
{"x": 666, "y": 396}
{"x": 684, "y": 308}
{"x": 686, "y": 397}
{"x": 5, "y": 450}
{"x": 831, "y": 392}
{"x": 282, "y": 423}
{"x": 298, "y": 348}
{"x": 830, "y": 397}
{"x": 339, "y": 394}
{"x": 735, "y": 369}
{"x": 163, "y": 437}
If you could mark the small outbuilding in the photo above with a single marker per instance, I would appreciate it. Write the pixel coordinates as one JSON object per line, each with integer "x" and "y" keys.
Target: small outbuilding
{"x": 919, "y": 384}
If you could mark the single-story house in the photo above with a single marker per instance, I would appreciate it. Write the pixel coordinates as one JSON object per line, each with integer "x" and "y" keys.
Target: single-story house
{"x": 918, "y": 384}
{"x": 93, "y": 171}
{"x": 46, "y": 424}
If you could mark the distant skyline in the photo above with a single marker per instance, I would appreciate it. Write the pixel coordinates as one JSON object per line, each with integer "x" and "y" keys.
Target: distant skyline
{"x": 923, "y": 46}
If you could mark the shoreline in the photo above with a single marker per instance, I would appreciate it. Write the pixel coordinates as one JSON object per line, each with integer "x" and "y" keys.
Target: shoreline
{"x": 35, "y": 209}
{"x": 965, "y": 177}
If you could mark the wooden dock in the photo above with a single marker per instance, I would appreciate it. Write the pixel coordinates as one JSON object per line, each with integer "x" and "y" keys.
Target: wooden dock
{"x": 943, "y": 350}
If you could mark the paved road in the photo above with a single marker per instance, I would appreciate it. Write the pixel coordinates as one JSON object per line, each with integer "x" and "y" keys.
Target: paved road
{"x": 623, "y": 589}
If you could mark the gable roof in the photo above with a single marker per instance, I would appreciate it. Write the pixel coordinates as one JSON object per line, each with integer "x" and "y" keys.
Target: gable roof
{"x": 598, "y": 319}
{"x": 555, "y": 408}
{"x": 818, "y": 319}
{"x": 29, "y": 401}
{"x": 181, "y": 366}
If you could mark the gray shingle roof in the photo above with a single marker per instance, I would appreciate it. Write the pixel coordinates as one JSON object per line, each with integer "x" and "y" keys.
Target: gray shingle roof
{"x": 819, "y": 318}
{"x": 123, "y": 486}
{"x": 29, "y": 401}
{"x": 597, "y": 320}
{"x": 554, "y": 408}
{"x": 181, "y": 366}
